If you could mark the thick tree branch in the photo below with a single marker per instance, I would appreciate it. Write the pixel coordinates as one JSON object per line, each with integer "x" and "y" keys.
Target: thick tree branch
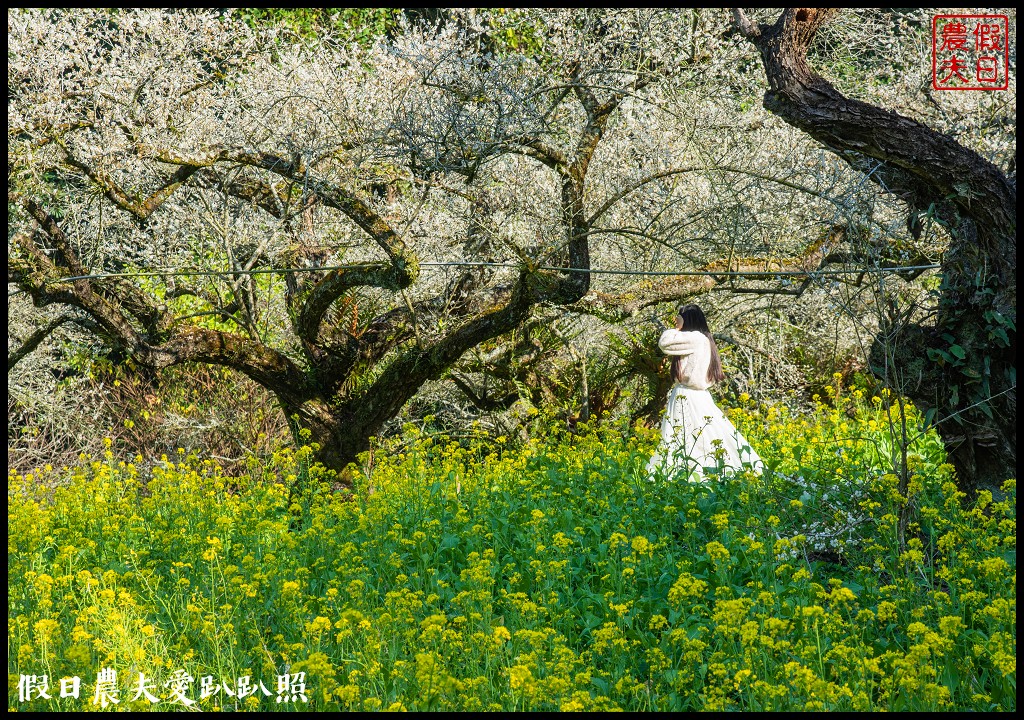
{"x": 67, "y": 255}
{"x": 597, "y": 121}
{"x": 266, "y": 366}
{"x": 140, "y": 208}
{"x": 35, "y": 339}
{"x": 748, "y": 29}
{"x": 404, "y": 267}
{"x": 275, "y": 202}
{"x": 925, "y": 168}
{"x": 152, "y": 317}
{"x": 539, "y": 150}
{"x": 650, "y": 293}
{"x": 38, "y": 276}
{"x": 335, "y": 284}
{"x": 138, "y": 305}
{"x": 407, "y": 373}
{"x": 575, "y": 285}
{"x": 331, "y": 195}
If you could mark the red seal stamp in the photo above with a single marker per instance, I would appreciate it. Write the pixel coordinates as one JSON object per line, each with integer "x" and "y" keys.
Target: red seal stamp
{"x": 970, "y": 52}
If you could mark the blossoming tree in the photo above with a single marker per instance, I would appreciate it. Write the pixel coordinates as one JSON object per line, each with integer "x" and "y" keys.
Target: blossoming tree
{"x": 157, "y": 141}
{"x": 186, "y": 189}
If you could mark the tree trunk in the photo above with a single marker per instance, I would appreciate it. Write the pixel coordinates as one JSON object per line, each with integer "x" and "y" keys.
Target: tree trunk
{"x": 962, "y": 369}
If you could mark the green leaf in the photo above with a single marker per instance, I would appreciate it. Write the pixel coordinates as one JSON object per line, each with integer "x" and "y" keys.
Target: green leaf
{"x": 1000, "y": 333}
{"x": 958, "y": 351}
{"x": 971, "y": 373}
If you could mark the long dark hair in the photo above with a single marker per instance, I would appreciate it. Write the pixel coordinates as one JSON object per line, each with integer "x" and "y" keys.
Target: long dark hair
{"x": 693, "y": 319}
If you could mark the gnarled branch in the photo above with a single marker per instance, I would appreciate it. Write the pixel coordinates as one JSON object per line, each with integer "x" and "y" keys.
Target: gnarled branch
{"x": 35, "y": 339}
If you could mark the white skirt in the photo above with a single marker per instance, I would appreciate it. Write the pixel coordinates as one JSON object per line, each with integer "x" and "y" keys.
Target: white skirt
{"x": 696, "y": 435}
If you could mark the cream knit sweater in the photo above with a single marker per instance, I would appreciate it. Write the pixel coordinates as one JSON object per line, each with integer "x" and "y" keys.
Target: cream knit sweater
{"x": 696, "y": 353}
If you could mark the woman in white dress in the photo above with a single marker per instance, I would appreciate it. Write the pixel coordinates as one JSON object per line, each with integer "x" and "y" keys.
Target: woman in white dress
{"x": 695, "y": 434}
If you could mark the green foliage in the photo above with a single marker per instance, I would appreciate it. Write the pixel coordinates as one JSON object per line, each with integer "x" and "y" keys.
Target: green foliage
{"x": 971, "y": 348}
{"x": 513, "y": 31}
{"x": 507, "y": 30}
{"x": 555, "y": 575}
{"x": 362, "y": 25}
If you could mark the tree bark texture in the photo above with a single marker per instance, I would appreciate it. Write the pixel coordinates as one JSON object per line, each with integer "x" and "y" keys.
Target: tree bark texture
{"x": 963, "y": 367}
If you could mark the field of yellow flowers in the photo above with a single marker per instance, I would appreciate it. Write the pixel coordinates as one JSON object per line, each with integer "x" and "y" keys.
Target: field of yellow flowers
{"x": 547, "y": 576}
